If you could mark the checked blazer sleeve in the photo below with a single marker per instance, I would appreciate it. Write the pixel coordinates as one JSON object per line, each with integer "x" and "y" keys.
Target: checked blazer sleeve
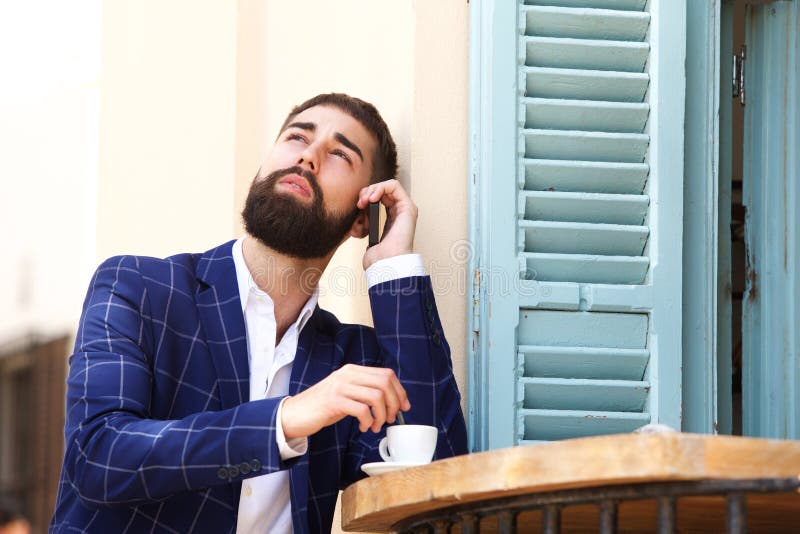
{"x": 411, "y": 342}
{"x": 116, "y": 450}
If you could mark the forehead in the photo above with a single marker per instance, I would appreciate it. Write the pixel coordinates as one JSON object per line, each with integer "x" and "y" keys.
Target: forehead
{"x": 330, "y": 120}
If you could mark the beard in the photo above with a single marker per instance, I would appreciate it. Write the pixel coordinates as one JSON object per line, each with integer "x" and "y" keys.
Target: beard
{"x": 285, "y": 224}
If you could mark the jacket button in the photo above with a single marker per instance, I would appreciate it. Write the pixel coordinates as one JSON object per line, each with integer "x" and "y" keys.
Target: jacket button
{"x": 430, "y": 315}
{"x": 437, "y": 340}
{"x": 222, "y": 473}
{"x": 244, "y": 468}
{"x": 233, "y": 471}
{"x": 255, "y": 465}
{"x": 428, "y": 304}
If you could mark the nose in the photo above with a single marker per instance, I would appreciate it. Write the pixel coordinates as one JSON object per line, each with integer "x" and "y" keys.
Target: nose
{"x": 308, "y": 159}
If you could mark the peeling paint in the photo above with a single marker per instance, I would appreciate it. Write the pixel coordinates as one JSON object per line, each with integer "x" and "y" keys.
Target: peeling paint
{"x": 752, "y": 279}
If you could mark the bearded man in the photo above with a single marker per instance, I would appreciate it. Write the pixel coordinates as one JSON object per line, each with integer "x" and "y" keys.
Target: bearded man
{"x": 209, "y": 392}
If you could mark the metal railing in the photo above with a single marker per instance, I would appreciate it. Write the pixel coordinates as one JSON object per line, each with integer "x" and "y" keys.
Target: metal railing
{"x": 468, "y": 516}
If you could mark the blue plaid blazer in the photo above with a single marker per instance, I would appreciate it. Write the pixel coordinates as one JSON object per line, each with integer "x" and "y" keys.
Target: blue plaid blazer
{"x": 159, "y": 435}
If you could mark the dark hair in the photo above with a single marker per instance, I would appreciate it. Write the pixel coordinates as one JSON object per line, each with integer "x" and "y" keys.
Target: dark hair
{"x": 384, "y": 163}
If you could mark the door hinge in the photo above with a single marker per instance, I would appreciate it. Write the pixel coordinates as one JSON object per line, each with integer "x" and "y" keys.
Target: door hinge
{"x": 738, "y": 73}
{"x": 476, "y": 300}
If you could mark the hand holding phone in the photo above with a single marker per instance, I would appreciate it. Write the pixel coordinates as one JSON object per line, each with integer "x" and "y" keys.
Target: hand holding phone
{"x": 396, "y": 236}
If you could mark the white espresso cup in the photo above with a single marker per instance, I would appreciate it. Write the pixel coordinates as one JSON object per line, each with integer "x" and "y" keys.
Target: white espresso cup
{"x": 409, "y": 444}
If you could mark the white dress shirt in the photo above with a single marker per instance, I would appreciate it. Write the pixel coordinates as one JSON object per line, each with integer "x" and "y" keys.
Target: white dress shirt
{"x": 265, "y": 504}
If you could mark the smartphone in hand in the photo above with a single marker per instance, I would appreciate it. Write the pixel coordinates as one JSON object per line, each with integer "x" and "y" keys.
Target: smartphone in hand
{"x": 374, "y": 223}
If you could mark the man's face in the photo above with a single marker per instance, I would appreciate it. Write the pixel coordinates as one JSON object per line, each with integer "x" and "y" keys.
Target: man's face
{"x": 303, "y": 202}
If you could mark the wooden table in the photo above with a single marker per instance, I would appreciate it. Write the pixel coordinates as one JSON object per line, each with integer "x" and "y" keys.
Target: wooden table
{"x": 624, "y": 483}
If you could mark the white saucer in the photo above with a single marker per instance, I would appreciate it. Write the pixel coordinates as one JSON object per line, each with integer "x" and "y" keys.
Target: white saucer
{"x": 379, "y": 468}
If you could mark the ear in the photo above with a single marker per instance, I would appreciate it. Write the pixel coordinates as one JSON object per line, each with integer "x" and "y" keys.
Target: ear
{"x": 360, "y": 226}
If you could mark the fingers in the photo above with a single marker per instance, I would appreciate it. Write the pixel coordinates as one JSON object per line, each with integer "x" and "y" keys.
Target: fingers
{"x": 401, "y": 220}
{"x": 380, "y": 389}
{"x": 388, "y": 374}
{"x": 389, "y": 192}
{"x": 375, "y": 416}
{"x": 358, "y": 410}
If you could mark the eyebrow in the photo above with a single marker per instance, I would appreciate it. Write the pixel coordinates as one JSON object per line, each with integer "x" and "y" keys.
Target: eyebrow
{"x": 310, "y": 127}
{"x": 349, "y": 144}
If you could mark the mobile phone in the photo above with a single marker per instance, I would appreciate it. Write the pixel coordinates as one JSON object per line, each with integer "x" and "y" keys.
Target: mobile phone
{"x": 374, "y": 223}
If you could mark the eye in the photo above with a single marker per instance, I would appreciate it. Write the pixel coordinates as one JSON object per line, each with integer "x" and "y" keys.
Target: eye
{"x": 296, "y": 137}
{"x": 342, "y": 155}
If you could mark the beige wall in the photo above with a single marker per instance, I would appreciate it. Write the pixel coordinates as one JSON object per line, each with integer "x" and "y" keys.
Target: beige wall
{"x": 167, "y": 126}
{"x": 439, "y": 173}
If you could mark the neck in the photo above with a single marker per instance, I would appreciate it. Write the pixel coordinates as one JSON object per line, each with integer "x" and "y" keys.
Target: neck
{"x": 288, "y": 281}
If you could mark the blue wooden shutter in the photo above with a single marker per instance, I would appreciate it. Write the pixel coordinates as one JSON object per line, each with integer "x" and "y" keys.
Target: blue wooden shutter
{"x": 577, "y": 327}
{"x": 770, "y": 312}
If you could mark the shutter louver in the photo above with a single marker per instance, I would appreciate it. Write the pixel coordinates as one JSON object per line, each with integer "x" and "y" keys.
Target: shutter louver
{"x": 583, "y": 218}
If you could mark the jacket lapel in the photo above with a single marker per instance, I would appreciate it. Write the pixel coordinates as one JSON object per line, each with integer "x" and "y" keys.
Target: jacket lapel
{"x": 221, "y": 315}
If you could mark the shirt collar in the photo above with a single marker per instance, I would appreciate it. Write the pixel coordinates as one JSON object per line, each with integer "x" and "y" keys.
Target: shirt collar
{"x": 246, "y": 284}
